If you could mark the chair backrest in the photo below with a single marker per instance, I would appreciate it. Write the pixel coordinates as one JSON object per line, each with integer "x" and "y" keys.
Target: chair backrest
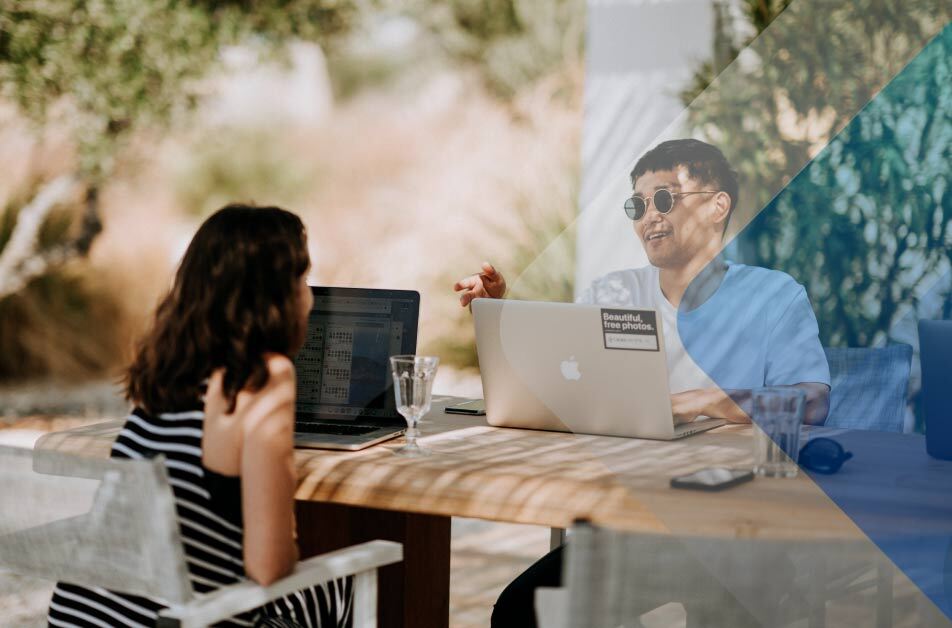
{"x": 614, "y": 577}
{"x": 108, "y": 523}
{"x": 935, "y": 355}
{"x": 869, "y": 387}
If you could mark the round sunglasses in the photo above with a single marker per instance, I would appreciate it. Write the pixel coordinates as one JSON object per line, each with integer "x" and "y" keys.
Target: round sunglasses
{"x": 637, "y": 206}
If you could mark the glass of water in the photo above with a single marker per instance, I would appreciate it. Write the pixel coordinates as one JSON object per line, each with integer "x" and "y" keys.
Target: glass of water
{"x": 412, "y": 387}
{"x": 777, "y": 415}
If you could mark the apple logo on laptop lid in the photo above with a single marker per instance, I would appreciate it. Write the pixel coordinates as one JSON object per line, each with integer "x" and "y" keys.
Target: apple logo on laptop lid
{"x": 570, "y": 369}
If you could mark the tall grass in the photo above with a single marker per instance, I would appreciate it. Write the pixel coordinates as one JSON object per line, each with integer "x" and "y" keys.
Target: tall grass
{"x": 223, "y": 166}
{"x": 527, "y": 228}
{"x": 540, "y": 266}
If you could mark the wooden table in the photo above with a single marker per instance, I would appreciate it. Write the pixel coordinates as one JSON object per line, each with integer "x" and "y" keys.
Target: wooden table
{"x": 551, "y": 479}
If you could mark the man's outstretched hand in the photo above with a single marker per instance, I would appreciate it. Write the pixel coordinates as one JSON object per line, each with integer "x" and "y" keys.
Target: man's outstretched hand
{"x": 488, "y": 283}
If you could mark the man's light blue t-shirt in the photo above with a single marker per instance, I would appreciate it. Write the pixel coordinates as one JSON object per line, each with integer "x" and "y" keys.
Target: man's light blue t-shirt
{"x": 757, "y": 329}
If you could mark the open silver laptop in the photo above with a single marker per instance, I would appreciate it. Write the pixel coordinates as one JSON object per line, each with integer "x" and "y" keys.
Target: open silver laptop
{"x": 577, "y": 368}
{"x": 344, "y": 389}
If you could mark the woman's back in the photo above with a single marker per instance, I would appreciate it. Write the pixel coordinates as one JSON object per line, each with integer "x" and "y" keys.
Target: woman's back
{"x": 208, "y": 506}
{"x": 209, "y": 509}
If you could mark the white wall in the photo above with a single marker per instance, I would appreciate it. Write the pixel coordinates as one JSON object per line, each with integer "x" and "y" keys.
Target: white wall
{"x": 639, "y": 55}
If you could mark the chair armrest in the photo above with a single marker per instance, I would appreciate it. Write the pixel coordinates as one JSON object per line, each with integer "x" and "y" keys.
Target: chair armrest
{"x": 246, "y": 595}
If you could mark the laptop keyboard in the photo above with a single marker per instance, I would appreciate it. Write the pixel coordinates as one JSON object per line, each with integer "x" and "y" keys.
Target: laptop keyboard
{"x": 337, "y": 429}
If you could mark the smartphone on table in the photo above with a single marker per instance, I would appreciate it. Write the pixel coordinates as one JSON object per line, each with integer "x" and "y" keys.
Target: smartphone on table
{"x": 713, "y": 479}
{"x": 474, "y": 407}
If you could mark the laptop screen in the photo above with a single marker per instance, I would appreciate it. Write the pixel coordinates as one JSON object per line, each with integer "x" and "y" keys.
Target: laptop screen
{"x": 343, "y": 369}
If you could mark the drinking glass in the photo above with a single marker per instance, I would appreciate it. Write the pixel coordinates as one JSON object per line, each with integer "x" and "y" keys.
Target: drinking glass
{"x": 778, "y": 413}
{"x": 412, "y": 385}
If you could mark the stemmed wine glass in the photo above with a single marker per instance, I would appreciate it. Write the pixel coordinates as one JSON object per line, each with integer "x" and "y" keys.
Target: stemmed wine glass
{"x": 412, "y": 385}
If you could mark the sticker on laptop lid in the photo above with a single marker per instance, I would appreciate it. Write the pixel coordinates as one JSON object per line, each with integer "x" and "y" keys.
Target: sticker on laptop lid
{"x": 632, "y": 330}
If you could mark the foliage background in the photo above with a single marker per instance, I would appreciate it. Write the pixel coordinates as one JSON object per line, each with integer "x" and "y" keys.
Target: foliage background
{"x": 436, "y": 135}
{"x": 866, "y": 225}
{"x": 415, "y": 139}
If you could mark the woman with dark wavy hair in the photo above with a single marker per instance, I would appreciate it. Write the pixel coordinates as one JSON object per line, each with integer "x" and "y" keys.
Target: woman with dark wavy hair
{"x": 213, "y": 388}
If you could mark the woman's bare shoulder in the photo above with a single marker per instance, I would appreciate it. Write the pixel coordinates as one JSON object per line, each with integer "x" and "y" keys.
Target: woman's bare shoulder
{"x": 280, "y": 368}
{"x": 277, "y": 390}
{"x": 269, "y": 411}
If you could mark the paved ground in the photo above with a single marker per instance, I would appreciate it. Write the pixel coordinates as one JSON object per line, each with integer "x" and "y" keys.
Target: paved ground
{"x": 485, "y": 558}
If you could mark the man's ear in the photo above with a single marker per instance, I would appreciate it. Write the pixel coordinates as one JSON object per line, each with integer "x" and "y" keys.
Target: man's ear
{"x": 722, "y": 207}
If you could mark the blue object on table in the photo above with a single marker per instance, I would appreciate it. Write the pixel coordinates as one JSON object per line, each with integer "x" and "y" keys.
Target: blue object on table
{"x": 935, "y": 354}
{"x": 823, "y": 455}
{"x": 868, "y": 387}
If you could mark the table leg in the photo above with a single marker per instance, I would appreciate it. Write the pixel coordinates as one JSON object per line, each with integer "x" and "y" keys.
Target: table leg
{"x": 415, "y": 592}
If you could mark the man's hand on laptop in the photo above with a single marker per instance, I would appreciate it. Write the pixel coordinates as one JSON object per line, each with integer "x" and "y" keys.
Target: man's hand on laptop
{"x": 488, "y": 283}
{"x": 709, "y": 402}
{"x": 687, "y": 406}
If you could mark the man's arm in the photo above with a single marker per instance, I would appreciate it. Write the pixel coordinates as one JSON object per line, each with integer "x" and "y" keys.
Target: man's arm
{"x": 735, "y": 405}
{"x": 818, "y": 402}
{"x": 794, "y": 354}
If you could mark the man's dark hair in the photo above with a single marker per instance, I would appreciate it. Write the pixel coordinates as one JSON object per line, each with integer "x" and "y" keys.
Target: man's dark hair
{"x": 704, "y": 162}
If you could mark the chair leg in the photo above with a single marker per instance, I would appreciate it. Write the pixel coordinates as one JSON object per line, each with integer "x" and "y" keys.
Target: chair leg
{"x": 818, "y": 594}
{"x": 365, "y": 599}
{"x": 818, "y": 615}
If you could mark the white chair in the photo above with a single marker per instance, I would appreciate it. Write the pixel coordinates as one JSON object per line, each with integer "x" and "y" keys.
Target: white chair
{"x": 111, "y": 523}
{"x": 612, "y": 579}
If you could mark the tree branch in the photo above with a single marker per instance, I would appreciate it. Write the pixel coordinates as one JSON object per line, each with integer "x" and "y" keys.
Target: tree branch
{"x": 20, "y": 261}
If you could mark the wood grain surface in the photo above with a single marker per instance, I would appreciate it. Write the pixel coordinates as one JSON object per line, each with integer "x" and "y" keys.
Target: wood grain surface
{"x": 551, "y": 478}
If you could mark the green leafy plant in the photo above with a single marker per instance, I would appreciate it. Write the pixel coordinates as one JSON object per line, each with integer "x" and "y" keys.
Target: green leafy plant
{"x": 101, "y": 73}
{"x": 512, "y": 42}
{"x": 865, "y": 226}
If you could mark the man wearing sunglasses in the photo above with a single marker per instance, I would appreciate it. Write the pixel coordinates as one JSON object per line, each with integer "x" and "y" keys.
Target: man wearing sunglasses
{"x": 728, "y": 328}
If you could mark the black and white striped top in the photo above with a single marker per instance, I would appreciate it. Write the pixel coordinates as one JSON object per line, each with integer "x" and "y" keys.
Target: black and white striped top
{"x": 208, "y": 506}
